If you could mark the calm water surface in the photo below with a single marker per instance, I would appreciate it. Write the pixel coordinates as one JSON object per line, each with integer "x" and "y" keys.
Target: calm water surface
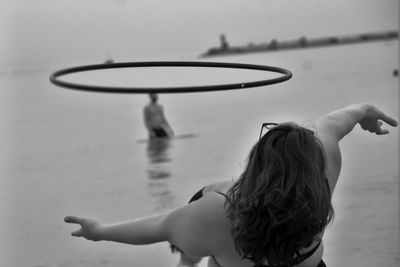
{"x": 84, "y": 154}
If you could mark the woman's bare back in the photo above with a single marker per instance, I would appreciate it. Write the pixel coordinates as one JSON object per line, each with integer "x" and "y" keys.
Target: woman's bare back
{"x": 223, "y": 250}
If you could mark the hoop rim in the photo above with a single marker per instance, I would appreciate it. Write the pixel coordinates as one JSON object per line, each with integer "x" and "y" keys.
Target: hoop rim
{"x": 54, "y": 78}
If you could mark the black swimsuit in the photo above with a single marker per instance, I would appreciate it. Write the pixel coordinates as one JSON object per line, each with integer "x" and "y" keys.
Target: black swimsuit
{"x": 159, "y": 132}
{"x": 299, "y": 259}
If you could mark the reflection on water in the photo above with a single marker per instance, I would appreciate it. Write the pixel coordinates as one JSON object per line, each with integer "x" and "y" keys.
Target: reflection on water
{"x": 157, "y": 150}
{"x": 160, "y": 191}
{"x": 158, "y": 153}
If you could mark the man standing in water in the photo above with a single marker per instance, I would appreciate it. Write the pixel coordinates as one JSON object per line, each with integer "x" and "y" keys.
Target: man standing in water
{"x": 155, "y": 120}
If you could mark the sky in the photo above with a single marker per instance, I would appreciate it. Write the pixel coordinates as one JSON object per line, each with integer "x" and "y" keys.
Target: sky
{"x": 43, "y": 33}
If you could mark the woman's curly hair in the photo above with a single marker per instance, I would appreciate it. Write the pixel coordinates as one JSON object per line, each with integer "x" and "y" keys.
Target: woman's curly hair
{"x": 282, "y": 200}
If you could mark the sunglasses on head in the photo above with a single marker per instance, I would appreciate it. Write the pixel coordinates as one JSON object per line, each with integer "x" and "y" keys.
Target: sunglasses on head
{"x": 267, "y": 126}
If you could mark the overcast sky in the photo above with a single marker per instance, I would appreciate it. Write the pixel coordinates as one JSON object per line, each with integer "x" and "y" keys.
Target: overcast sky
{"x": 40, "y": 33}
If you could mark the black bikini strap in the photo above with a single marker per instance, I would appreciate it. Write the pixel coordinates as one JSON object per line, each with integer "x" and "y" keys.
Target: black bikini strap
{"x": 197, "y": 196}
{"x": 222, "y": 194}
{"x": 302, "y": 257}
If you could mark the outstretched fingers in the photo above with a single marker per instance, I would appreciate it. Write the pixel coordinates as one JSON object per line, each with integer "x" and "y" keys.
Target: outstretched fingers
{"x": 381, "y": 131}
{"x": 77, "y": 233}
{"x": 76, "y": 220}
{"x": 73, "y": 219}
{"x": 389, "y": 120}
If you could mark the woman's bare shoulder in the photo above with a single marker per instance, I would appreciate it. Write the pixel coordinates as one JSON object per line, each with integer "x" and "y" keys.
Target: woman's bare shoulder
{"x": 197, "y": 227}
{"x": 210, "y": 206}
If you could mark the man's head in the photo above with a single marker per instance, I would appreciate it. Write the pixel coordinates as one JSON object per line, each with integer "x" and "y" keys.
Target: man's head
{"x": 153, "y": 97}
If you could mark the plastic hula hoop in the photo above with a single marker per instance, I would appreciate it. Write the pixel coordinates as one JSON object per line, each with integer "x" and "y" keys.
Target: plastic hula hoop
{"x": 54, "y": 78}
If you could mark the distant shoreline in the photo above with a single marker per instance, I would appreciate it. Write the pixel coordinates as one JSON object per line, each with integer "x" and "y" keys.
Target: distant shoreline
{"x": 300, "y": 43}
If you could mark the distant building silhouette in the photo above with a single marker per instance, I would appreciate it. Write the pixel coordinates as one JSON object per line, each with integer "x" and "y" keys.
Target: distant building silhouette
{"x": 109, "y": 61}
{"x": 303, "y": 41}
{"x": 299, "y": 43}
{"x": 224, "y": 43}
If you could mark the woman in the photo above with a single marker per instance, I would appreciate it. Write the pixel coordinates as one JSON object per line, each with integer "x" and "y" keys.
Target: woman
{"x": 273, "y": 215}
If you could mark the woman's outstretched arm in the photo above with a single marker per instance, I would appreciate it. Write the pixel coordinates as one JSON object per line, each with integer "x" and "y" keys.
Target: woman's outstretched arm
{"x": 187, "y": 227}
{"x": 332, "y": 127}
{"x": 340, "y": 122}
{"x": 141, "y": 231}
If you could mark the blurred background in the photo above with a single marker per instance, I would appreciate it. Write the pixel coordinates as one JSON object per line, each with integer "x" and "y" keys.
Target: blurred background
{"x": 76, "y": 153}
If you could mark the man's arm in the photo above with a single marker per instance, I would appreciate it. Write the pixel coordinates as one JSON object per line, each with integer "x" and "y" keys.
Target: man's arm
{"x": 147, "y": 121}
{"x": 332, "y": 127}
{"x": 146, "y": 118}
{"x": 165, "y": 122}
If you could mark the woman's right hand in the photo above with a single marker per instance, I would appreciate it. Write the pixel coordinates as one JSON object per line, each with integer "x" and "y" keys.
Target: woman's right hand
{"x": 372, "y": 120}
{"x": 90, "y": 229}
